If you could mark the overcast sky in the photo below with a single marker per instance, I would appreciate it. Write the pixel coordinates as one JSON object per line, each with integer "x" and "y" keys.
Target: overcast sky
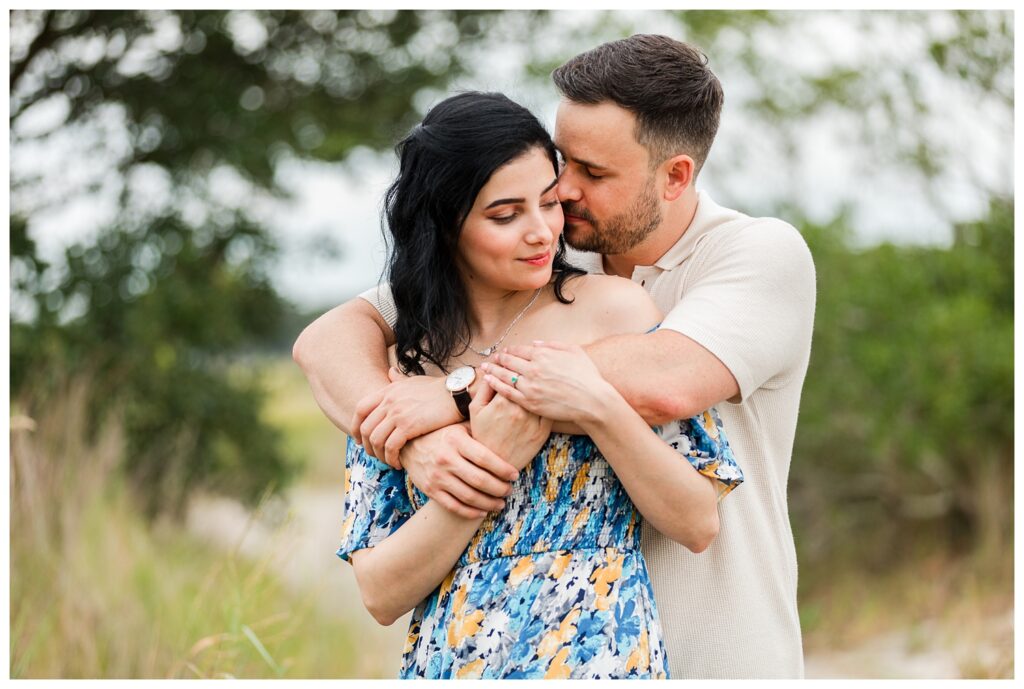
{"x": 330, "y": 231}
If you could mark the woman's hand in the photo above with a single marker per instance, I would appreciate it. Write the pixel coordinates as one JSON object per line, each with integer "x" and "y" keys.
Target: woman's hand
{"x": 555, "y": 380}
{"x": 506, "y": 428}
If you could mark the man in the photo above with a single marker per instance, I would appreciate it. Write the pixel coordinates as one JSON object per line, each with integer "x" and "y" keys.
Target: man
{"x": 635, "y": 125}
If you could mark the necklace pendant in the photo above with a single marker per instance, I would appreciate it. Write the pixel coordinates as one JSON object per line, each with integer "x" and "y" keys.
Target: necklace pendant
{"x": 487, "y": 352}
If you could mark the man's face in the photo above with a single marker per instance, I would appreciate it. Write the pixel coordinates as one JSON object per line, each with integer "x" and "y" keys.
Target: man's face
{"x": 606, "y": 187}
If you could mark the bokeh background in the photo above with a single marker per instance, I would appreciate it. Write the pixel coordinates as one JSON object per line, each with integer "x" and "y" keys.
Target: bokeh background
{"x": 190, "y": 188}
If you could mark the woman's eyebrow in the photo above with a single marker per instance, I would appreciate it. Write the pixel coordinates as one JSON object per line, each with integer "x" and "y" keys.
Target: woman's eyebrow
{"x": 502, "y": 202}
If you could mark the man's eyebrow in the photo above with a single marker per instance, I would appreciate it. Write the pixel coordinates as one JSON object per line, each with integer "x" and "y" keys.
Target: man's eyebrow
{"x": 502, "y": 202}
{"x": 586, "y": 163}
{"x": 581, "y": 161}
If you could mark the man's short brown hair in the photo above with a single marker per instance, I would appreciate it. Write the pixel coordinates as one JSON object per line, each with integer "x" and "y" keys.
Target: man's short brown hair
{"x": 667, "y": 84}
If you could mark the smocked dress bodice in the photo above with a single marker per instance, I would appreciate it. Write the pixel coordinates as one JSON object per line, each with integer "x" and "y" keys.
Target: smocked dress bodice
{"x": 552, "y": 586}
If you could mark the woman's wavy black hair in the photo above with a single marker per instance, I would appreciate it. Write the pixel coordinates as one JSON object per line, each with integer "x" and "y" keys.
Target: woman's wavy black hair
{"x": 443, "y": 164}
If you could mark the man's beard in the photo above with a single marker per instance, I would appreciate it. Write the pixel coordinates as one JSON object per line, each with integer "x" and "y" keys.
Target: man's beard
{"x": 620, "y": 233}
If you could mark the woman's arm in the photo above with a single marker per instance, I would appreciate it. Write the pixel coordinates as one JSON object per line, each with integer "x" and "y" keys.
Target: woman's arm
{"x": 677, "y": 500}
{"x": 674, "y": 498}
{"x": 402, "y": 570}
{"x": 561, "y": 382}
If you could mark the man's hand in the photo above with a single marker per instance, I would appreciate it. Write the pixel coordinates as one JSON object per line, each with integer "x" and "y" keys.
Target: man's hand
{"x": 409, "y": 407}
{"x": 507, "y": 428}
{"x": 461, "y": 473}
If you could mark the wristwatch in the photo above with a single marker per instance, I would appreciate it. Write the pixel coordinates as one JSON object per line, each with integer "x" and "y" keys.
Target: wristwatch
{"x": 458, "y": 382}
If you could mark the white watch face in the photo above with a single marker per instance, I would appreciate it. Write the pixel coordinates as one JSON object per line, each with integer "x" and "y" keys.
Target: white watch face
{"x": 460, "y": 379}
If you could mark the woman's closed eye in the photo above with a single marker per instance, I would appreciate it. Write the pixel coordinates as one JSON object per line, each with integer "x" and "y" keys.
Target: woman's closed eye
{"x": 505, "y": 219}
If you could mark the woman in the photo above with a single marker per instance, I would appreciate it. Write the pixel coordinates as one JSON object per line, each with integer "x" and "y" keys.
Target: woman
{"x": 552, "y": 585}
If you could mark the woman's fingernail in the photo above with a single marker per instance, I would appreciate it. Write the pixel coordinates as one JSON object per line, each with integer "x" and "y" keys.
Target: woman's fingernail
{"x": 485, "y": 367}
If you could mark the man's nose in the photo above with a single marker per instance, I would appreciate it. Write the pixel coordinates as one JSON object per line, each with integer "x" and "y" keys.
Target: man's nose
{"x": 567, "y": 189}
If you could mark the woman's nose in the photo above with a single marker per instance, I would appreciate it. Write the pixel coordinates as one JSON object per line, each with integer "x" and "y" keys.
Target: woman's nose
{"x": 540, "y": 232}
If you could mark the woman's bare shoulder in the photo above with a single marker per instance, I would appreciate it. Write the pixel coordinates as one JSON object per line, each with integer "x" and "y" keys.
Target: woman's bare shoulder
{"x": 611, "y": 304}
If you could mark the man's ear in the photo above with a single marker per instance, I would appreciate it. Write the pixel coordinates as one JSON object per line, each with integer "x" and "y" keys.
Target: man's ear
{"x": 679, "y": 171}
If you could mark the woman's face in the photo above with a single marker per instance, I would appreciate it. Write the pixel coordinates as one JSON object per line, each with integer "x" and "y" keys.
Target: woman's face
{"x": 510, "y": 235}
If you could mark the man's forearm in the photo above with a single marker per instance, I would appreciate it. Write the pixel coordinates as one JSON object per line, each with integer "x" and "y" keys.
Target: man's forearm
{"x": 663, "y": 375}
{"x": 344, "y": 356}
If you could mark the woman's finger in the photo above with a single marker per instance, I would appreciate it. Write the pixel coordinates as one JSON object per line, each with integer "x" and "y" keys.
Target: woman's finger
{"x": 563, "y": 346}
{"x": 507, "y": 391}
{"x": 525, "y": 352}
{"x": 500, "y": 372}
{"x": 484, "y": 394}
{"x": 512, "y": 362}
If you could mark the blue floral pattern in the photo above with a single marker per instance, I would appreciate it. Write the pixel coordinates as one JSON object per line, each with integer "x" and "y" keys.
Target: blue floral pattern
{"x": 552, "y": 586}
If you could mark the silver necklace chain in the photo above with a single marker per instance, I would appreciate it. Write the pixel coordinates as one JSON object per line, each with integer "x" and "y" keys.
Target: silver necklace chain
{"x": 490, "y": 350}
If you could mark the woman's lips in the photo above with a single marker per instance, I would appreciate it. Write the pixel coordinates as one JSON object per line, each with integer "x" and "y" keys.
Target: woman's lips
{"x": 539, "y": 259}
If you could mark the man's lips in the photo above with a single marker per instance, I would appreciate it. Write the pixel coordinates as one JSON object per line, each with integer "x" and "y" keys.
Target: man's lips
{"x": 570, "y": 218}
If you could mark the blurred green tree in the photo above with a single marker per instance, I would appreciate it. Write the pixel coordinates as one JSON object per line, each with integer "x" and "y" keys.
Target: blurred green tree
{"x": 906, "y": 422}
{"x": 154, "y": 306}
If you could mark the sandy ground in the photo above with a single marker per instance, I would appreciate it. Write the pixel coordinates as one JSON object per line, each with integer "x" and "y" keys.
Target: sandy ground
{"x": 299, "y": 539}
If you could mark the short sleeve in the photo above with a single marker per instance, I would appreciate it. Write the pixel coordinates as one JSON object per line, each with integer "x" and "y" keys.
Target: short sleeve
{"x": 749, "y": 299}
{"x": 376, "y": 501}
{"x": 703, "y": 441}
{"x": 381, "y": 299}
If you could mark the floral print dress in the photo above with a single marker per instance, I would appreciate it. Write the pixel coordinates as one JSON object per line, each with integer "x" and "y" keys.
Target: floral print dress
{"x": 552, "y": 586}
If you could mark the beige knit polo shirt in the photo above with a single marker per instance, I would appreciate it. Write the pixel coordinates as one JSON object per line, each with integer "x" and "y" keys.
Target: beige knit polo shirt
{"x": 743, "y": 288}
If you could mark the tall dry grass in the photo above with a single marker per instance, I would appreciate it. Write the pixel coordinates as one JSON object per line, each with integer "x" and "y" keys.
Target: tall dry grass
{"x": 99, "y": 591}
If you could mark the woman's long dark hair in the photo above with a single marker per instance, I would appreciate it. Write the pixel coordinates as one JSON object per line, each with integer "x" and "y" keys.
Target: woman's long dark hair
{"x": 443, "y": 164}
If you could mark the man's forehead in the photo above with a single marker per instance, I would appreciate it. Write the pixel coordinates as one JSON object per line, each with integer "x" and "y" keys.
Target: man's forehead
{"x": 598, "y": 133}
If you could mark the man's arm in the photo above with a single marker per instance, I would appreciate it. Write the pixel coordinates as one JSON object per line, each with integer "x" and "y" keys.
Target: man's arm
{"x": 344, "y": 356}
{"x": 679, "y": 378}
{"x": 746, "y": 319}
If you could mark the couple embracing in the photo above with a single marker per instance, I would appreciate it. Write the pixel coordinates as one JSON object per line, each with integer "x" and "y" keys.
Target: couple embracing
{"x": 502, "y": 477}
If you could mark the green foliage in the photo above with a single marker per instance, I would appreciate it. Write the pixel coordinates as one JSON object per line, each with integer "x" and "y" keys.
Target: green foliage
{"x": 99, "y": 591}
{"x": 906, "y": 425}
{"x": 155, "y": 306}
{"x": 153, "y": 316}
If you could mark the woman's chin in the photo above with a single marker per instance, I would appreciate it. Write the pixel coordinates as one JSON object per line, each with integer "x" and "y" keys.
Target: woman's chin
{"x": 541, "y": 278}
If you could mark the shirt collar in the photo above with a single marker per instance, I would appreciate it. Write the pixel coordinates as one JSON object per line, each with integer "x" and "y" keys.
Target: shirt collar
{"x": 708, "y": 216}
